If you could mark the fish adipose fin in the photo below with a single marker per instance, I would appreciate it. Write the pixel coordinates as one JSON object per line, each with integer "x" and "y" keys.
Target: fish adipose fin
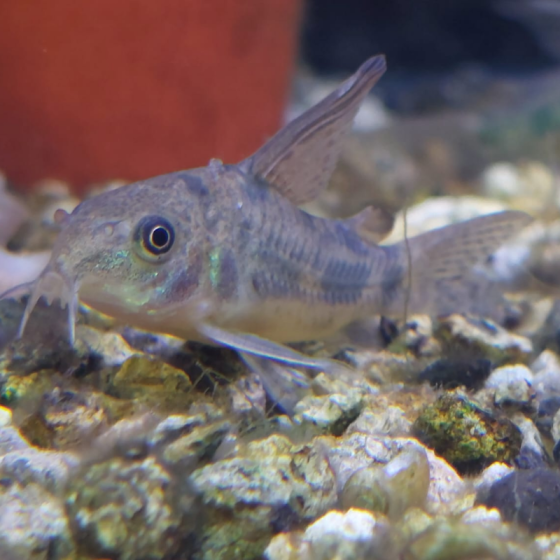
{"x": 372, "y": 224}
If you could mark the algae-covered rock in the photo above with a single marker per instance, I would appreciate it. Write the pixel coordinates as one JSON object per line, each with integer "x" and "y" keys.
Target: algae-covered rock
{"x": 465, "y": 435}
{"x": 127, "y": 509}
{"x": 18, "y": 389}
{"x": 271, "y": 486}
{"x": 153, "y": 382}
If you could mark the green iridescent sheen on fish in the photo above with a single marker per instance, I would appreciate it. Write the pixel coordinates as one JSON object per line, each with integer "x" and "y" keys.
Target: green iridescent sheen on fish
{"x": 214, "y": 257}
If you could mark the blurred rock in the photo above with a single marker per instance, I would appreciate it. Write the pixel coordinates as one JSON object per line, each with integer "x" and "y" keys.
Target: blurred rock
{"x": 33, "y": 524}
{"x": 129, "y": 508}
{"x": 269, "y": 488}
{"x": 392, "y": 488}
{"x": 354, "y": 534}
{"x": 530, "y": 186}
{"x": 330, "y": 413}
{"x": 462, "y": 541}
{"x": 529, "y": 497}
{"x": 49, "y": 469}
{"x": 386, "y": 421}
{"x": 151, "y": 382}
{"x": 512, "y": 385}
{"x": 449, "y": 373}
{"x": 483, "y": 338}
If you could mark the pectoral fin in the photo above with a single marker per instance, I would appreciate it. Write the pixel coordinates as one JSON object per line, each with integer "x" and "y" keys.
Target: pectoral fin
{"x": 285, "y": 385}
{"x": 257, "y": 346}
{"x": 300, "y": 159}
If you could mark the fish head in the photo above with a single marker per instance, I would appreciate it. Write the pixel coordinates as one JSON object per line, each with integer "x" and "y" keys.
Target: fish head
{"x": 131, "y": 252}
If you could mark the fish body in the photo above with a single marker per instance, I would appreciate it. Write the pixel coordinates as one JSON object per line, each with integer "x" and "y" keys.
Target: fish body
{"x": 243, "y": 258}
{"x": 223, "y": 254}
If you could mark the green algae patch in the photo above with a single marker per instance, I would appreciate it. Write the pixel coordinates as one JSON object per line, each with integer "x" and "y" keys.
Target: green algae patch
{"x": 465, "y": 435}
{"x": 153, "y": 383}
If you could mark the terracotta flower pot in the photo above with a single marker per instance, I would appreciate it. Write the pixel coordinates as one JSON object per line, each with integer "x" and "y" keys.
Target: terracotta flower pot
{"x": 103, "y": 89}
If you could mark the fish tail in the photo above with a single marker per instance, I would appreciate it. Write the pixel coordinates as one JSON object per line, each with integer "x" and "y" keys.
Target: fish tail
{"x": 439, "y": 272}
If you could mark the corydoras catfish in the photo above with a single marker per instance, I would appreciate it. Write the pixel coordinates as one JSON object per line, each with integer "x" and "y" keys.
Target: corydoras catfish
{"x": 222, "y": 254}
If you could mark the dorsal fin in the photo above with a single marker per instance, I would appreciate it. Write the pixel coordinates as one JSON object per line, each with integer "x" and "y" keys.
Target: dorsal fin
{"x": 372, "y": 223}
{"x": 300, "y": 159}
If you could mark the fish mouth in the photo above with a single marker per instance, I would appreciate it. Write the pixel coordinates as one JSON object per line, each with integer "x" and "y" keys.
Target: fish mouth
{"x": 51, "y": 285}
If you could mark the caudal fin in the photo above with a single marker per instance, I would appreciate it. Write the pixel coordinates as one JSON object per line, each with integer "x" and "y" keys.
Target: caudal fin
{"x": 438, "y": 272}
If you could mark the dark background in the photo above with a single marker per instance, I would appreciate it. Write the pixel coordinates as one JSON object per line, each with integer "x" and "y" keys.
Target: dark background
{"x": 426, "y": 41}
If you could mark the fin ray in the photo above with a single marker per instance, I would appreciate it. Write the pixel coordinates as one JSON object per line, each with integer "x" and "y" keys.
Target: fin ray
{"x": 444, "y": 275}
{"x": 300, "y": 159}
{"x": 286, "y": 386}
{"x": 257, "y": 346}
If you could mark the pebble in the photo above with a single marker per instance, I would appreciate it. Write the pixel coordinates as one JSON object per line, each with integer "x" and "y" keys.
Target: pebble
{"x": 49, "y": 469}
{"x": 329, "y": 413}
{"x": 452, "y": 373}
{"x": 512, "y": 385}
{"x": 489, "y": 475}
{"x": 354, "y": 534}
{"x": 545, "y": 417}
{"x": 391, "y": 488}
{"x": 529, "y": 497}
{"x": 485, "y": 338}
{"x": 386, "y": 421}
{"x": 546, "y": 375}
{"x": 445, "y": 540}
{"x": 5, "y": 417}
{"x": 33, "y": 524}
{"x": 151, "y": 382}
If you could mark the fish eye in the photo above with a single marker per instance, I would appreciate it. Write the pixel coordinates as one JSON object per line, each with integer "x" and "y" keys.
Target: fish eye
{"x": 155, "y": 235}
